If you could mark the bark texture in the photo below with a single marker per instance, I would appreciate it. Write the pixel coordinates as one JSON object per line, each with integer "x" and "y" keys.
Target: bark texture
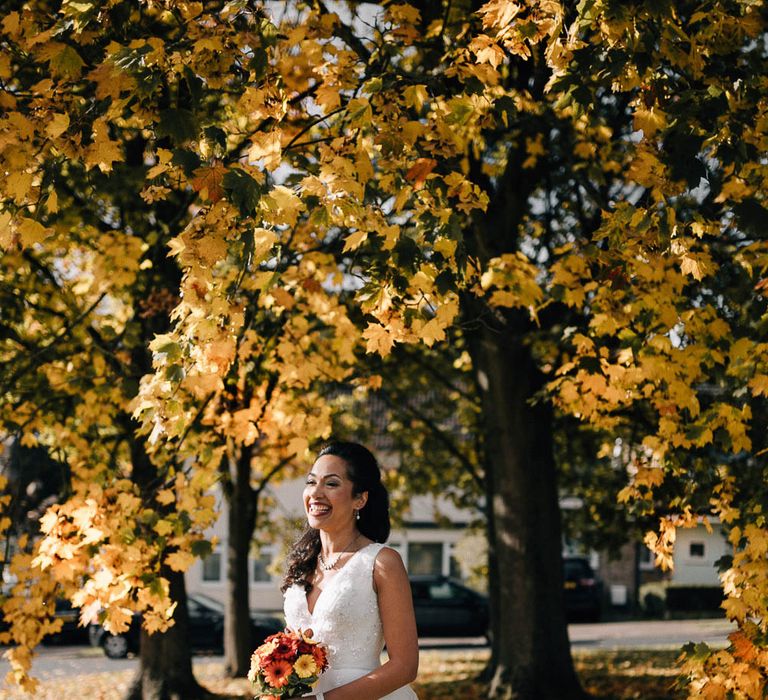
{"x": 165, "y": 668}
{"x": 238, "y": 644}
{"x": 165, "y": 671}
{"x": 531, "y": 658}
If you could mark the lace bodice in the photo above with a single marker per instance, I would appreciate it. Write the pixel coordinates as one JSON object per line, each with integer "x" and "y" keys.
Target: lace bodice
{"x": 346, "y": 615}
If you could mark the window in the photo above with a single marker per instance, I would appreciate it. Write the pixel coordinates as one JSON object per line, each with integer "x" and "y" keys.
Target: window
{"x": 454, "y": 568}
{"x": 646, "y": 558}
{"x": 260, "y": 568}
{"x": 212, "y": 567}
{"x": 696, "y": 550}
{"x": 425, "y": 558}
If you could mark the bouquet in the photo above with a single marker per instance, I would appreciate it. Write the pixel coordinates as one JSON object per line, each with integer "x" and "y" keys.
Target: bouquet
{"x": 287, "y": 665}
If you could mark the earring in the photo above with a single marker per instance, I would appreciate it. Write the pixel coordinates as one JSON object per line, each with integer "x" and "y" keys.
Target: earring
{"x": 357, "y": 514}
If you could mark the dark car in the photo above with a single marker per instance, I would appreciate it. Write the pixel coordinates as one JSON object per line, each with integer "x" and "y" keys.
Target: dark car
{"x": 447, "y": 608}
{"x": 206, "y": 629}
{"x": 583, "y": 590}
{"x": 71, "y": 632}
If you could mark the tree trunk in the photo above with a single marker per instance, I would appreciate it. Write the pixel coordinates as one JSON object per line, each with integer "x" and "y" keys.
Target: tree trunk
{"x": 238, "y": 645}
{"x": 165, "y": 660}
{"x": 165, "y": 671}
{"x": 531, "y": 657}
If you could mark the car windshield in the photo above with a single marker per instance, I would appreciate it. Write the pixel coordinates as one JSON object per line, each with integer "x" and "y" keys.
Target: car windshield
{"x": 577, "y": 568}
{"x": 206, "y": 602}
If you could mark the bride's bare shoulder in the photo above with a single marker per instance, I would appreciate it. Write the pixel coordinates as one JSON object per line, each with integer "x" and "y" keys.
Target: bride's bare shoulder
{"x": 388, "y": 562}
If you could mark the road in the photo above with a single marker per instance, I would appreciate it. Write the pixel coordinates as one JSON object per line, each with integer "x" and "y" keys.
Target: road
{"x": 62, "y": 661}
{"x": 655, "y": 634}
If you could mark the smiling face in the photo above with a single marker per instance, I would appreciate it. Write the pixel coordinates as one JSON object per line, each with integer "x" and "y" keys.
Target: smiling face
{"x": 329, "y": 499}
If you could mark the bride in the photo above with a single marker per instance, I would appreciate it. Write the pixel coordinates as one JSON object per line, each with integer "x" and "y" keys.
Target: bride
{"x": 345, "y": 586}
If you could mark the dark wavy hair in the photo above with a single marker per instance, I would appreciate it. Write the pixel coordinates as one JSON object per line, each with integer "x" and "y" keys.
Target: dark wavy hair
{"x": 364, "y": 473}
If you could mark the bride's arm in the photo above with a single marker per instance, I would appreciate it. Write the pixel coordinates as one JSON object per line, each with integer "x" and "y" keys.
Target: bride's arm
{"x": 390, "y": 580}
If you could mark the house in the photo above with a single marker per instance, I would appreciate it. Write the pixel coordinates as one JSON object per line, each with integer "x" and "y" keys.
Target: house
{"x": 692, "y": 583}
{"x": 436, "y": 537}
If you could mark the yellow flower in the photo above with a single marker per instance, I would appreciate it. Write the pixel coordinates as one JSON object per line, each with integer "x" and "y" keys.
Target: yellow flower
{"x": 305, "y": 666}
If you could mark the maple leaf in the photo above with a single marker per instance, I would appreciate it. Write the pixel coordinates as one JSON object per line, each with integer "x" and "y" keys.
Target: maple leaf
{"x": 64, "y": 61}
{"x": 379, "y": 339}
{"x": 433, "y": 331}
{"x": 180, "y": 561}
{"x": 58, "y": 124}
{"x": 18, "y": 185}
{"x": 103, "y": 152}
{"x": 419, "y": 171}
{"x": 354, "y": 240}
{"x": 266, "y": 146}
{"x": 759, "y": 384}
{"x": 487, "y": 50}
{"x": 208, "y": 181}
{"x": 282, "y": 205}
{"x": 243, "y": 190}
{"x": 31, "y": 232}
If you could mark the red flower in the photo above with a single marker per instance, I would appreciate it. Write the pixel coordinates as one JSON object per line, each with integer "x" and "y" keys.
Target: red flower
{"x": 276, "y": 674}
{"x": 287, "y": 648}
{"x": 320, "y": 656}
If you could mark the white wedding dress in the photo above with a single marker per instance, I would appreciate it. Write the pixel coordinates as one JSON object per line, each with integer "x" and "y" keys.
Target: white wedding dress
{"x": 346, "y": 619}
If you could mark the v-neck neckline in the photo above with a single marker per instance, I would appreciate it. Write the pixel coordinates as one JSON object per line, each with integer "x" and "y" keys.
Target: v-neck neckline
{"x": 330, "y": 583}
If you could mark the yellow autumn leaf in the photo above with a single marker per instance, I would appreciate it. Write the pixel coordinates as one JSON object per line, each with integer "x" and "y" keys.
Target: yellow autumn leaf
{"x": 63, "y": 59}
{"x": 649, "y": 120}
{"x": 759, "y": 385}
{"x": 163, "y": 527}
{"x": 165, "y": 497}
{"x": 52, "y": 203}
{"x": 8, "y": 234}
{"x": 282, "y": 205}
{"x": 415, "y": 96}
{"x": 266, "y": 146}
{"x": 433, "y": 331}
{"x": 298, "y": 446}
{"x": 359, "y": 112}
{"x": 17, "y": 185}
{"x": 354, "y": 240}
{"x": 31, "y": 232}
{"x": 117, "y": 619}
{"x": 57, "y": 125}
{"x": 103, "y": 151}
{"x": 180, "y": 561}
{"x": 690, "y": 266}
{"x": 486, "y": 50}
{"x": 379, "y": 339}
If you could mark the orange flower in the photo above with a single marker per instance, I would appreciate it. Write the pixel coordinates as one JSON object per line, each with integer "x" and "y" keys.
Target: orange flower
{"x": 321, "y": 658}
{"x": 276, "y": 673}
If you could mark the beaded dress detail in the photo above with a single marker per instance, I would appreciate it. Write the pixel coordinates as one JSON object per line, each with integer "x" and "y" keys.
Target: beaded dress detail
{"x": 346, "y": 618}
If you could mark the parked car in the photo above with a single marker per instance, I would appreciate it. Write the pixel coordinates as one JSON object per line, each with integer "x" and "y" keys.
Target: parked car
{"x": 583, "y": 590}
{"x": 206, "y": 629}
{"x": 447, "y": 608}
{"x": 71, "y": 632}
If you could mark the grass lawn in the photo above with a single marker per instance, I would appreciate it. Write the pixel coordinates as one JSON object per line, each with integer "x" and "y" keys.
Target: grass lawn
{"x": 443, "y": 675}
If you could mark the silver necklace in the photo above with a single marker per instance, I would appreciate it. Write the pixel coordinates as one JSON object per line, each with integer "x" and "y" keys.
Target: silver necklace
{"x": 327, "y": 566}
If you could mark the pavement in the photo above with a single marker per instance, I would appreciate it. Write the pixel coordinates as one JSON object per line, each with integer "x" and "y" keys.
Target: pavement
{"x": 55, "y": 662}
{"x": 650, "y": 634}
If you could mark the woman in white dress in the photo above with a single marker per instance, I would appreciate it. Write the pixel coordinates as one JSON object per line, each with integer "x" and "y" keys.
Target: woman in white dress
{"x": 345, "y": 586}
